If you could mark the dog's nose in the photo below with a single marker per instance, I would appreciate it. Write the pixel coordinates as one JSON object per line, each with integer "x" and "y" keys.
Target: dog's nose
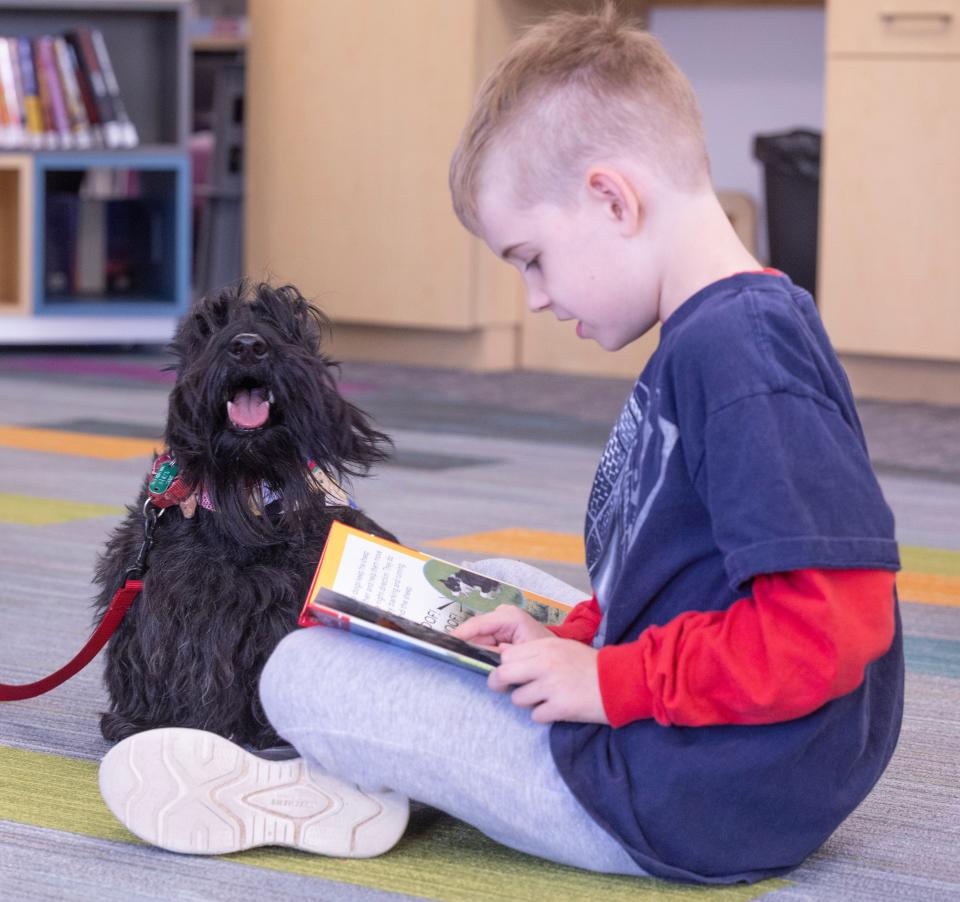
{"x": 248, "y": 347}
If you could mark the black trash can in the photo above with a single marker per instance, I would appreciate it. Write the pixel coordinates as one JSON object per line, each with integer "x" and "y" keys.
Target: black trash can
{"x": 791, "y": 167}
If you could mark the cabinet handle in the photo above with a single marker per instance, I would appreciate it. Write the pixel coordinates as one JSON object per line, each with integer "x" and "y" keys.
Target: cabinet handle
{"x": 941, "y": 18}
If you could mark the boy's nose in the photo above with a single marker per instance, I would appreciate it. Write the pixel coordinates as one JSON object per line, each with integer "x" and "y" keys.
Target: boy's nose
{"x": 537, "y": 300}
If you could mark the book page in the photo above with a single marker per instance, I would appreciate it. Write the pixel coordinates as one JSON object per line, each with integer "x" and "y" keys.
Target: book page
{"x": 417, "y": 586}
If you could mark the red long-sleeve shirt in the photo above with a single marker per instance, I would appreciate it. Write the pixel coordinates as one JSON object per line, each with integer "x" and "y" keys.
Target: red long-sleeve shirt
{"x": 801, "y": 639}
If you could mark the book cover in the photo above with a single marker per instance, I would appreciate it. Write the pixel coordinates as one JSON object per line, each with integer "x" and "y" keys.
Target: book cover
{"x": 125, "y": 130}
{"x": 13, "y": 48}
{"x": 83, "y": 42}
{"x": 91, "y": 262}
{"x": 9, "y": 100}
{"x": 129, "y": 267}
{"x": 76, "y": 111}
{"x": 85, "y": 86}
{"x": 49, "y": 76}
{"x": 49, "y": 134}
{"x": 386, "y": 591}
{"x": 60, "y": 243}
{"x": 5, "y": 131}
{"x": 331, "y": 609}
{"x": 31, "y": 94}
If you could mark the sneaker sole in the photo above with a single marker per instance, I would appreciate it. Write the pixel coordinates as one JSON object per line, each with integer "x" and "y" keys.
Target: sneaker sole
{"x": 196, "y": 792}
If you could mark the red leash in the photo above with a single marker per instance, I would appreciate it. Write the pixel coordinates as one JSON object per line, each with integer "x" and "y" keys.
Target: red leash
{"x": 119, "y": 605}
{"x": 111, "y": 620}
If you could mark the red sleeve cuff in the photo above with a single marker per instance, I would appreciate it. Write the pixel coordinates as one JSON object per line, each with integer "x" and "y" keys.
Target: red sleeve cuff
{"x": 623, "y": 684}
{"x": 582, "y": 623}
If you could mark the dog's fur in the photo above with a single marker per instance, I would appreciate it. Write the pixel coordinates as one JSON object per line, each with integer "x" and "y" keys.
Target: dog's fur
{"x": 225, "y": 585}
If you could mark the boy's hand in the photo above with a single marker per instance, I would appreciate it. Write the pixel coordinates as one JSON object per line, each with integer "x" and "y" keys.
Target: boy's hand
{"x": 507, "y": 625}
{"x": 558, "y": 678}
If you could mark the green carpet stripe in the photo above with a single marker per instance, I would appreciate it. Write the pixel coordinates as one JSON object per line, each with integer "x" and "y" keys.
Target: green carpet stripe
{"x": 26, "y": 510}
{"x": 438, "y": 859}
{"x": 930, "y": 560}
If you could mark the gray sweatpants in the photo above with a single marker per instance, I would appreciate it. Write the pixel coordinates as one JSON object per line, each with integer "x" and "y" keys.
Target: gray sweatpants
{"x": 385, "y": 718}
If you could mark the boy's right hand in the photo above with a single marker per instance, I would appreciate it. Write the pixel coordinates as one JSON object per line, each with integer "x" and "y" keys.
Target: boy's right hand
{"x": 507, "y": 625}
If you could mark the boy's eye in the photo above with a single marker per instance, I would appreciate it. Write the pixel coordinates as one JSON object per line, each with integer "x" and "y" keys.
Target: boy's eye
{"x": 532, "y": 264}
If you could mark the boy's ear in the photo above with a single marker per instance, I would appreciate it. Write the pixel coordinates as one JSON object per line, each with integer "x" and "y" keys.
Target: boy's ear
{"x": 618, "y": 195}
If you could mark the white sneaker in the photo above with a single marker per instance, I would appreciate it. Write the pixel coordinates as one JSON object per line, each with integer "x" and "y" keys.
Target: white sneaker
{"x": 192, "y": 791}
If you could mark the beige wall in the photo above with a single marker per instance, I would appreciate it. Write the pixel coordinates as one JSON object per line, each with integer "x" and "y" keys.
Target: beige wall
{"x": 353, "y": 110}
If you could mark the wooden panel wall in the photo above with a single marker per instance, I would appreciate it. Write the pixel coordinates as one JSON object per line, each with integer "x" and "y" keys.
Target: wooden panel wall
{"x": 354, "y": 110}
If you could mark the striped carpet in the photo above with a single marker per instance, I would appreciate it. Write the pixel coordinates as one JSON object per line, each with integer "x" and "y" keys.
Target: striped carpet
{"x": 76, "y": 433}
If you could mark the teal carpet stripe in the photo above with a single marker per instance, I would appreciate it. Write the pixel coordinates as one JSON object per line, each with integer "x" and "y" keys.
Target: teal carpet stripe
{"x": 932, "y": 657}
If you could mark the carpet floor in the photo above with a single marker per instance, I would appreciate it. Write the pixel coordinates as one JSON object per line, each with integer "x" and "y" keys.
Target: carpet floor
{"x": 484, "y": 465}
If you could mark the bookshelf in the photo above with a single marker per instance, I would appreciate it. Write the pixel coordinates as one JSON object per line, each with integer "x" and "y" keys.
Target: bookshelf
{"x": 95, "y": 243}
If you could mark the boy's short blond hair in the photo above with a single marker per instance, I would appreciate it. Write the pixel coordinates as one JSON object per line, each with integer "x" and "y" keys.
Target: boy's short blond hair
{"x": 573, "y": 90}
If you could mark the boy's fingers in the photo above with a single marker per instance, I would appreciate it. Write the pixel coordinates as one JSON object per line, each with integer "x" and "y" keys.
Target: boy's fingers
{"x": 481, "y": 624}
{"x": 529, "y": 695}
{"x": 466, "y": 630}
{"x": 495, "y": 681}
{"x": 514, "y": 670}
{"x": 475, "y": 626}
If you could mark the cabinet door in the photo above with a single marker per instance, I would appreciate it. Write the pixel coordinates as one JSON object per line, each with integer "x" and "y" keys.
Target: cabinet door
{"x": 354, "y": 111}
{"x": 890, "y": 225}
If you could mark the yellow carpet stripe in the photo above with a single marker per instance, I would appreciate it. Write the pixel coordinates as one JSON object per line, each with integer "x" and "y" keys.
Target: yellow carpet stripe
{"x": 442, "y": 860}
{"x": 930, "y": 576}
{"x": 25, "y": 510}
{"x": 79, "y": 444}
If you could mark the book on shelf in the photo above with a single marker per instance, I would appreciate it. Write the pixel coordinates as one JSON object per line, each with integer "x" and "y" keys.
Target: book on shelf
{"x": 91, "y": 262}
{"x": 11, "y": 116}
{"x": 79, "y": 125}
{"x": 104, "y": 237}
{"x": 85, "y": 87}
{"x": 60, "y": 243}
{"x": 379, "y": 589}
{"x": 123, "y": 130}
{"x": 32, "y": 110}
{"x": 50, "y": 82}
{"x": 61, "y": 92}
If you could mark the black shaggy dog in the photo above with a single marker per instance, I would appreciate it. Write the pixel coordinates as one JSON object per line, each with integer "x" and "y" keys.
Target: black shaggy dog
{"x": 254, "y": 419}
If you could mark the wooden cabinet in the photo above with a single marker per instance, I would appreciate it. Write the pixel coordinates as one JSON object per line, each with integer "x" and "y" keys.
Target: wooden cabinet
{"x": 890, "y": 226}
{"x": 354, "y": 111}
{"x": 16, "y": 232}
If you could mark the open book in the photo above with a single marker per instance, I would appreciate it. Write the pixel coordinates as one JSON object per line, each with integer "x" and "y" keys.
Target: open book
{"x": 379, "y": 589}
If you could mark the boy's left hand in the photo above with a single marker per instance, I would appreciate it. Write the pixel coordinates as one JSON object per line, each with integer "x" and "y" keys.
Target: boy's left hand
{"x": 558, "y": 678}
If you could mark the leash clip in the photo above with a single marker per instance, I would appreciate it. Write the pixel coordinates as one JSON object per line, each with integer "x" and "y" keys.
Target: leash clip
{"x": 151, "y": 515}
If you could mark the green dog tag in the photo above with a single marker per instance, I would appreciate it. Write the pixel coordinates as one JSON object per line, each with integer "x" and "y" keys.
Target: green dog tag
{"x": 163, "y": 478}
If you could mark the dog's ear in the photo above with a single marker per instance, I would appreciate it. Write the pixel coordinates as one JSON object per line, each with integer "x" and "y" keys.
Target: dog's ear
{"x": 359, "y": 445}
{"x": 316, "y": 322}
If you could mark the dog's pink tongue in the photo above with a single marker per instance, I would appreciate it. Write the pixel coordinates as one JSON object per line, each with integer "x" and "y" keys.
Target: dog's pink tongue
{"x": 248, "y": 409}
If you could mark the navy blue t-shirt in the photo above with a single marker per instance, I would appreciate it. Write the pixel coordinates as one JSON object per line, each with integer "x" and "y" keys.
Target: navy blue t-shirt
{"x": 739, "y": 452}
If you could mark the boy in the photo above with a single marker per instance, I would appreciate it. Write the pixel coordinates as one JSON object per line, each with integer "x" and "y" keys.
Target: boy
{"x": 733, "y": 689}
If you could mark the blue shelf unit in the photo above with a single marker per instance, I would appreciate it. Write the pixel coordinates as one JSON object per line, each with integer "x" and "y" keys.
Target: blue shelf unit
{"x": 112, "y": 233}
